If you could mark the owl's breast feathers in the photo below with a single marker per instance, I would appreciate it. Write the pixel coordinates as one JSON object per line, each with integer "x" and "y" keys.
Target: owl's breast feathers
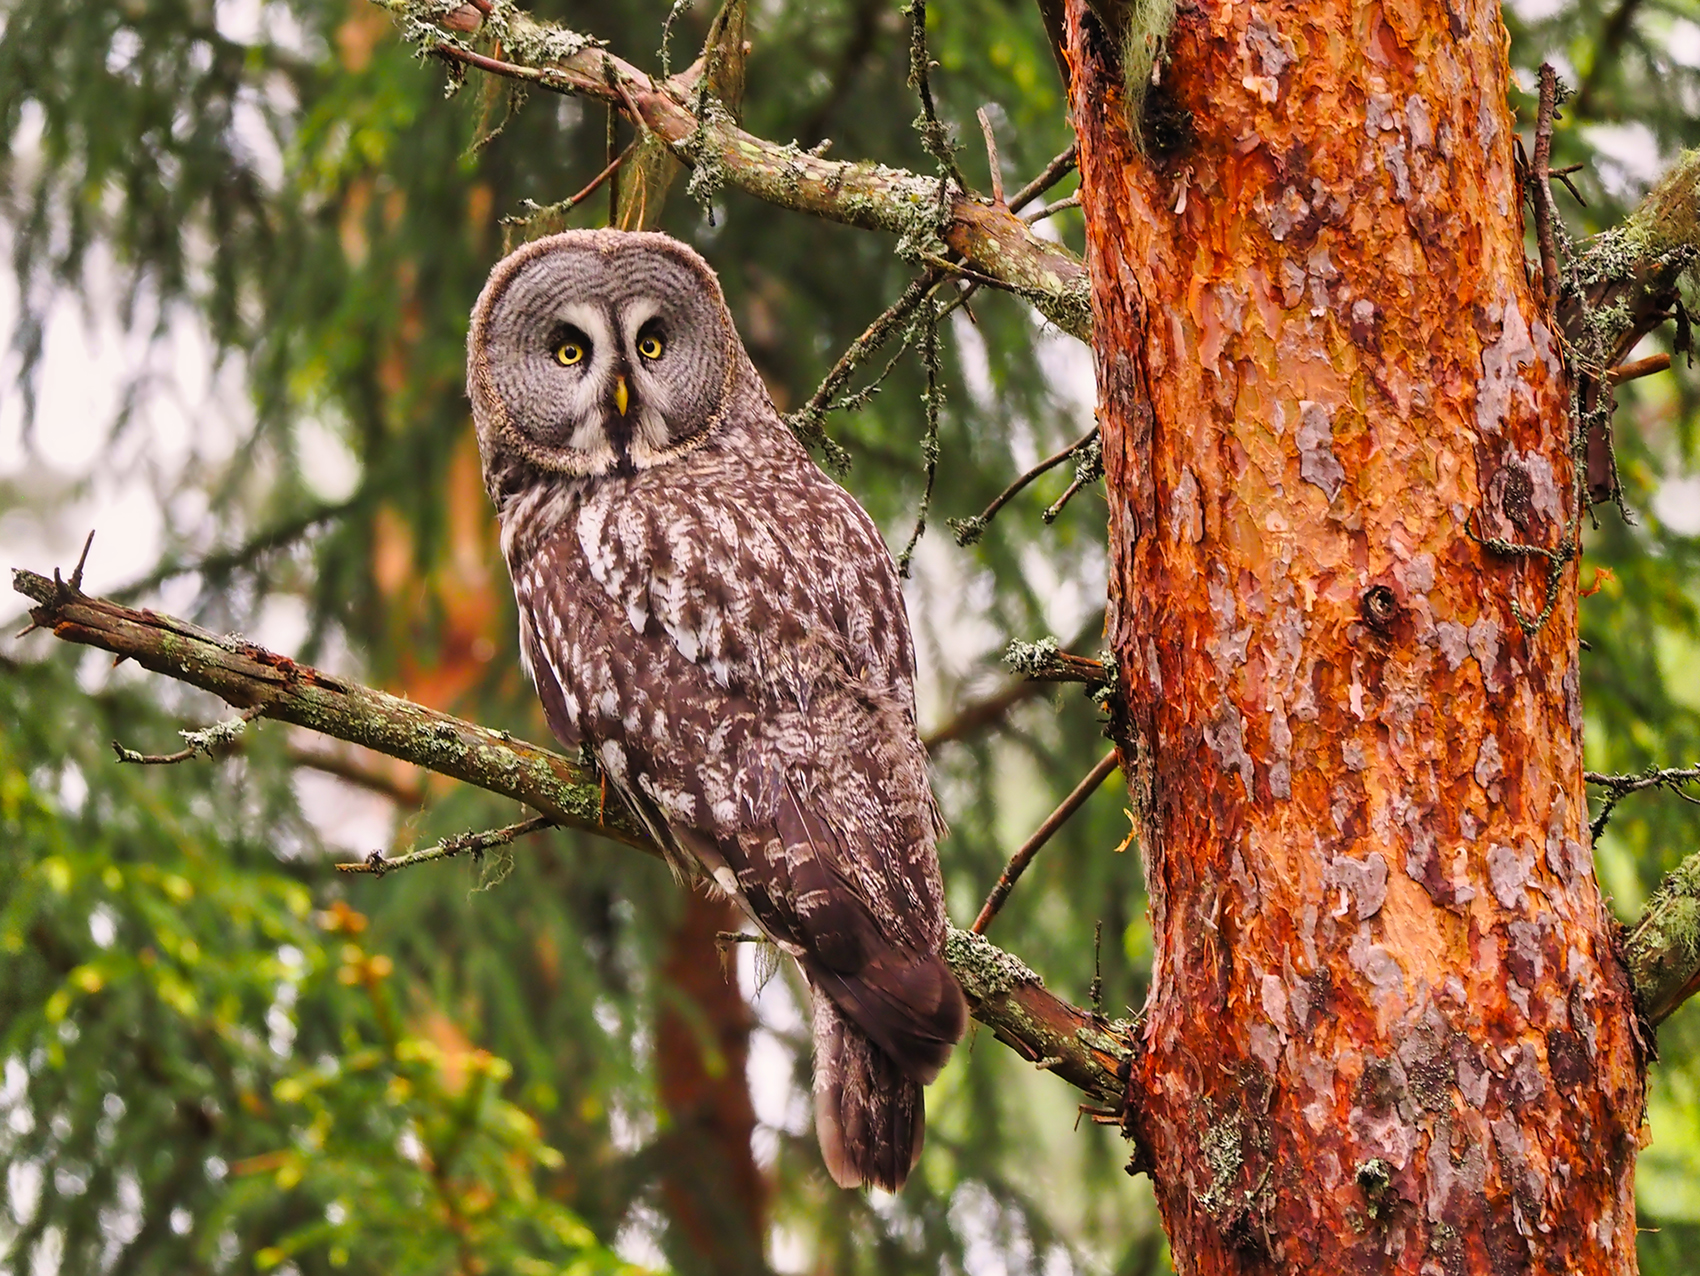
{"x": 728, "y": 635}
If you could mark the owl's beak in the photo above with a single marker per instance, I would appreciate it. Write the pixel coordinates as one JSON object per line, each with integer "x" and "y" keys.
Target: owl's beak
{"x": 622, "y": 396}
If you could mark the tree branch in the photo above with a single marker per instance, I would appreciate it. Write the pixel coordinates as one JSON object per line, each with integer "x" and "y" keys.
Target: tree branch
{"x": 1089, "y": 1052}
{"x": 995, "y": 243}
{"x": 990, "y": 711}
{"x": 1662, "y": 951}
{"x": 251, "y": 677}
{"x": 1623, "y": 286}
{"x": 1032, "y": 846}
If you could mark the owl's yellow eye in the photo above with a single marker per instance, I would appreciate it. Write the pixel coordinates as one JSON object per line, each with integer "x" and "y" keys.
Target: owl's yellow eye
{"x": 568, "y": 353}
{"x": 649, "y": 347}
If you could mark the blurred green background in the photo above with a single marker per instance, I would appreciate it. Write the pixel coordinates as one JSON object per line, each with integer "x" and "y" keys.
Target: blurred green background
{"x": 244, "y": 238}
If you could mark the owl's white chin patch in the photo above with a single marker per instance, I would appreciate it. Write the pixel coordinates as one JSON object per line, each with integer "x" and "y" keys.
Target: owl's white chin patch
{"x": 651, "y": 443}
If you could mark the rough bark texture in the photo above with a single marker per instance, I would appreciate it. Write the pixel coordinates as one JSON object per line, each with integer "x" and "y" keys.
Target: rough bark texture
{"x": 1388, "y": 1030}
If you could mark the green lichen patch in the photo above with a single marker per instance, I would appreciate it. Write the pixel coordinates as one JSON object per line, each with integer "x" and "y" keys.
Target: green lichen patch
{"x": 982, "y": 968}
{"x": 1223, "y": 1149}
{"x": 1663, "y": 951}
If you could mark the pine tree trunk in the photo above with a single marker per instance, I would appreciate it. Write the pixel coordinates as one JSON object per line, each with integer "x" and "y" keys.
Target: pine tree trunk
{"x": 1389, "y": 1031}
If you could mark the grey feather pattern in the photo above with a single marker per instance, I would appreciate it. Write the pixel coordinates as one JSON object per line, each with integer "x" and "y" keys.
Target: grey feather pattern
{"x": 724, "y": 627}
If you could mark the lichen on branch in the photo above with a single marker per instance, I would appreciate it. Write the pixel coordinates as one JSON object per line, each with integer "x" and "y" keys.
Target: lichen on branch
{"x": 992, "y": 240}
{"x": 1083, "y": 1049}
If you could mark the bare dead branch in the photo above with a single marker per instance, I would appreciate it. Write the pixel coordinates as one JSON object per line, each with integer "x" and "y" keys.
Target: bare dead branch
{"x": 1639, "y": 368}
{"x": 992, "y": 155}
{"x": 1541, "y": 189}
{"x": 460, "y": 844}
{"x": 1039, "y": 214}
{"x": 1032, "y": 846}
{"x": 1089, "y": 1053}
{"x": 1049, "y": 176}
{"x": 1618, "y": 787}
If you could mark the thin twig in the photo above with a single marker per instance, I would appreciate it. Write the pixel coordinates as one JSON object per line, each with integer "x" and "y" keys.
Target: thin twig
{"x": 1039, "y": 215}
{"x": 1087, "y": 470}
{"x": 933, "y": 134}
{"x": 1619, "y": 787}
{"x": 1032, "y": 846}
{"x": 1059, "y": 167}
{"x": 930, "y": 442}
{"x": 573, "y": 201}
{"x": 1639, "y": 368}
{"x": 969, "y": 530}
{"x": 1541, "y": 190}
{"x": 991, "y": 154}
{"x": 202, "y": 741}
{"x": 809, "y": 421}
{"x": 449, "y": 847}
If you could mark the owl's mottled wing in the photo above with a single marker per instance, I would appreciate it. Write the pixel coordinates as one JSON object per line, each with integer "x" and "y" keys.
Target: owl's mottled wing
{"x": 745, "y": 675}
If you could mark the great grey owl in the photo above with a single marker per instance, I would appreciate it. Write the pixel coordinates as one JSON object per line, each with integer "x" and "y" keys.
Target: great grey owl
{"x": 722, "y": 625}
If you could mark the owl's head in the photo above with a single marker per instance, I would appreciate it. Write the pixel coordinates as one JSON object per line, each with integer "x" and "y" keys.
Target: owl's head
{"x": 599, "y": 351}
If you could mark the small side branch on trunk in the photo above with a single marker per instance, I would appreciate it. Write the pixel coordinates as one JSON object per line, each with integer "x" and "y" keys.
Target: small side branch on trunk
{"x": 983, "y": 714}
{"x": 969, "y": 530}
{"x": 1044, "y": 661}
{"x": 1032, "y": 846}
{"x": 1092, "y": 1054}
{"x": 1085, "y": 1051}
{"x": 1623, "y": 286}
{"x": 1638, "y": 368}
{"x": 1662, "y": 950}
{"x": 1618, "y": 787}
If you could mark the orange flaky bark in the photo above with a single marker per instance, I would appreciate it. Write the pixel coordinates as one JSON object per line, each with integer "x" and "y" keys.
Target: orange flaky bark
{"x": 1388, "y": 1030}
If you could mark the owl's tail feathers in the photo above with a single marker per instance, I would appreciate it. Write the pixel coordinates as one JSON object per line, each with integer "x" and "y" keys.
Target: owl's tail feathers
{"x": 881, "y": 1034}
{"x": 869, "y": 1117}
{"x": 908, "y": 1002}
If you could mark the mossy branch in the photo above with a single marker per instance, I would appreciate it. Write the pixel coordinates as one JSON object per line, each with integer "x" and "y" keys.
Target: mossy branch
{"x": 1087, "y": 1051}
{"x": 1662, "y": 950}
{"x": 992, "y": 240}
{"x": 1622, "y": 285}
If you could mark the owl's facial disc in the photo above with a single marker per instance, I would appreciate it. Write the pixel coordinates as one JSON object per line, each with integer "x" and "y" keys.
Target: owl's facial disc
{"x": 605, "y": 356}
